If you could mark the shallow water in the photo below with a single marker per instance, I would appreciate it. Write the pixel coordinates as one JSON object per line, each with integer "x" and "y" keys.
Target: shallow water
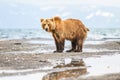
{"x": 67, "y": 68}
{"x": 98, "y": 50}
{"x": 66, "y": 42}
{"x": 95, "y": 66}
{"x": 36, "y": 76}
{"x": 103, "y": 65}
{"x": 26, "y": 70}
{"x": 94, "y": 42}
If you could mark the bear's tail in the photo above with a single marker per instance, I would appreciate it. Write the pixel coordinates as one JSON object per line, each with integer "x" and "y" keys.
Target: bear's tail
{"x": 87, "y": 29}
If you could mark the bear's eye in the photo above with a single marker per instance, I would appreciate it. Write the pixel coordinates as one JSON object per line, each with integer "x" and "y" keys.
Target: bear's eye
{"x": 48, "y": 24}
{"x": 43, "y": 25}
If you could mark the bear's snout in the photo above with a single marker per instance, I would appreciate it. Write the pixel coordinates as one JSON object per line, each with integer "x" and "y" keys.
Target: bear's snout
{"x": 46, "y": 29}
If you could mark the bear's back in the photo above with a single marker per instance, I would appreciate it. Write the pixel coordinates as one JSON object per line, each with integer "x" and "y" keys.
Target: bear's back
{"x": 73, "y": 28}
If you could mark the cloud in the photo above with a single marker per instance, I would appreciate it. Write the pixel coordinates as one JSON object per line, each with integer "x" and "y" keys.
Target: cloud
{"x": 17, "y": 12}
{"x": 23, "y": 13}
{"x": 46, "y": 8}
{"x": 13, "y": 12}
{"x": 62, "y": 8}
{"x": 104, "y": 14}
{"x": 89, "y": 16}
{"x": 13, "y": 5}
{"x": 64, "y": 14}
{"x": 115, "y": 3}
{"x": 100, "y": 13}
{"x": 117, "y": 20}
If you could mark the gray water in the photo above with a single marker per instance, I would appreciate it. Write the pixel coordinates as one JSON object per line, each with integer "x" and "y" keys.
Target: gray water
{"x": 93, "y": 34}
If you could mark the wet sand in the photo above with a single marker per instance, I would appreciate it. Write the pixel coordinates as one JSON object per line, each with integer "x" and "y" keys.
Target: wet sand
{"x": 36, "y": 56}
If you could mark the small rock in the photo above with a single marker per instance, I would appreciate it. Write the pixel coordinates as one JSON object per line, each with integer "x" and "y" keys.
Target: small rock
{"x": 42, "y": 61}
{"x": 17, "y": 43}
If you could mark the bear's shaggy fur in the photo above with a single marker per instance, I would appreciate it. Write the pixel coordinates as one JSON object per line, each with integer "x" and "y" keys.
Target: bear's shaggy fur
{"x": 69, "y": 29}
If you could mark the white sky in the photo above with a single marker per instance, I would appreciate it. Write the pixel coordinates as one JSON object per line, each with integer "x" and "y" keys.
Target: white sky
{"x": 60, "y": 7}
{"x": 114, "y": 3}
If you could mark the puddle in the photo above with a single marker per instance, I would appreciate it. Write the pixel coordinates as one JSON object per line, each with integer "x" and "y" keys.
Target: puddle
{"x": 97, "y": 50}
{"x": 70, "y": 68}
{"x": 92, "y": 50}
{"x": 28, "y": 74}
{"x": 74, "y": 68}
{"x": 64, "y": 74}
{"x": 103, "y": 65}
{"x": 37, "y": 76}
{"x": 66, "y": 42}
{"x": 94, "y": 42}
{"x": 23, "y": 71}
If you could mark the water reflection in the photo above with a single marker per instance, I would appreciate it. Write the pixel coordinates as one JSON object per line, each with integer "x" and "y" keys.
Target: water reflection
{"x": 76, "y": 69}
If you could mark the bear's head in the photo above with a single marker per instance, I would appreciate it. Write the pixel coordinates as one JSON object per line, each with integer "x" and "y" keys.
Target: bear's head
{"x": 50, "y": 25}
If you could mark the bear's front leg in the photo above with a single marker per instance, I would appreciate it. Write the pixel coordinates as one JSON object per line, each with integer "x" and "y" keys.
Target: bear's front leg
{"x": 59, "y": 45}
{"x": 56, "y": 43}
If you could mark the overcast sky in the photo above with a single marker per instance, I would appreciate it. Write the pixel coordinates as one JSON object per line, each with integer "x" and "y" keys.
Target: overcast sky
{"x": 48, "y": 6}
{"x": 115, "y": 3}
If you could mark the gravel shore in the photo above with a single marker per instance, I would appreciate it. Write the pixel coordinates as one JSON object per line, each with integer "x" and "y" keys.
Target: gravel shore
{"x": 24, "y": 55}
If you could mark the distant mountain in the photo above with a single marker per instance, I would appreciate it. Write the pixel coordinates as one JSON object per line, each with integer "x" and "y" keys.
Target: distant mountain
{"x": 27, "y": 16}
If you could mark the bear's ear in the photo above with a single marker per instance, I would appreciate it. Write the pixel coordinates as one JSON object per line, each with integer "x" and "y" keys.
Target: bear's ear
{"x": 58, "y": 19}
{"x": 41, "y": 20}
{"x": 52, "y": 19}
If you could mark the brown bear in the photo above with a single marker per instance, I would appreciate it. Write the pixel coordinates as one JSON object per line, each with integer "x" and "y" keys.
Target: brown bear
{"x": 69, "y": 29}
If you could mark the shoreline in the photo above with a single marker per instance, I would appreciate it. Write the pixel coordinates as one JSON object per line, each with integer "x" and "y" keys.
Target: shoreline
{"x": 12, "y": 56}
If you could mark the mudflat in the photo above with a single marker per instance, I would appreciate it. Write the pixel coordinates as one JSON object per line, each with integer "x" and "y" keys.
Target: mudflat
{"x": 34, "y": 55}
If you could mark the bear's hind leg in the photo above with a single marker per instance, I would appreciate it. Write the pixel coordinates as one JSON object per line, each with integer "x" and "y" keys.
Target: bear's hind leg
{"x": 73, "y": 43}
{"x": 79, "y": 46}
